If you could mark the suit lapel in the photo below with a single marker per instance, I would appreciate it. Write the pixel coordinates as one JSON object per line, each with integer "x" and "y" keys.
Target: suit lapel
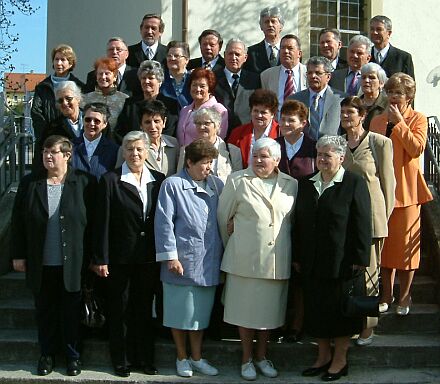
{"x": 41, "y": 189}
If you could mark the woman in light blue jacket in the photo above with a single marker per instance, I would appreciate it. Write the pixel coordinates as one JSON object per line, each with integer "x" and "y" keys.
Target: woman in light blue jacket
{"x": 189, "y": 246}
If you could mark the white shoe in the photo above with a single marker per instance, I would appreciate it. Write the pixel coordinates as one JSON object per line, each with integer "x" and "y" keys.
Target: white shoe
{"x": 361, "y": 342}
{"x": 266, "y": 367}
{"x": 248, "y": 371}
{"x": 204, "y": 367}
{"x": 183, "y": 368}
{"x": 383, "y": 307}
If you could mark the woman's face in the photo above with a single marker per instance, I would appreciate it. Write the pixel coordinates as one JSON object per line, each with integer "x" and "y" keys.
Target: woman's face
{"x": 398, "y": 98}
{"x": 153, "y": 126}
{"x": 68, "y": 104}
{"x": 199, "y": 90}
{"x": 350, "y": 118}
{"x": 261, "y": 116}
{"x": 206, "y": 129}
{"x": 61, "y": 65}
{"x": 370, "y": 83}
{"x": 176, "y": 61}
{"x": 104, "y": 77}
{"x": 135, "y": 154}
{"x": 291, "y": 125}
{"x": 199, "y": 170}
{"x": 54, "y": 159}
{"x": 150, "y": 85}
{"x": 263, "y": 164}
{"x": 328, "y": 161}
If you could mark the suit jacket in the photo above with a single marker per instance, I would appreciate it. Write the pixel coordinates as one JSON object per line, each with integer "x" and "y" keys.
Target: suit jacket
{"x": 396, "y": 60}
{"x": 270, "y": 79}
{"x": 303, "y": 163}
{"x": 409, "y": 141}
{"x": 332, "y": 232}
{"x": 102, "y": 160}
{"x": 124, "y": 236}
{"x": 29, "y": 222}
{"x": 261, "y": 244}
{"x": 342, "y": 63}
{"x": 337, "y": 80}
{"x": 257, "y": 60}
{"x": 373, "y": 160}
{"x": 331, "y": 116}
{"x": 241, "y": 137}
{"x": 136, "y": 55}
{"x": 378, "y": 107}
{"x": 198, "y": 62}
{"x": 167, "y": 89}
{"x": 129, "y": 84}
{"x": 238, "y": 108}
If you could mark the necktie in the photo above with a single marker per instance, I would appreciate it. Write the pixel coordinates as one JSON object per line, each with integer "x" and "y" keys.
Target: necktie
{"x": 235, "y": 84}
{"x": 289, "y": 87}
{"x": 119, "y": 78}
{"x": 315, "y": 119}
{"x": 273, "y": 60}
{"x": 149, "y": 53}
{"x": 353, "y": 86}
{"x": 207, "y": 65}
{"x": 379, "y": 58}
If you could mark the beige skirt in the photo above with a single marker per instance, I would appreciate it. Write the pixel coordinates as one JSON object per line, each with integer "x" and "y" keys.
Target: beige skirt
{"x": 255, "y": 303}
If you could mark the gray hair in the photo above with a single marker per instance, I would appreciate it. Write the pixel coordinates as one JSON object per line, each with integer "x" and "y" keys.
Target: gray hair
{"x": 386, "y": 21}
{"x": 272, "y": 12}
{"x": 117, "y": 38}
{"x": 236, "y": 41}
{"x": 134, "y": 136}
{"x": 69, "y": 86}
{"x": 321, "y": 60}
{"x": 337, "y": 143}
{"x": 151, "y": 67}
{"x": 336, "y": 33}
{"x": 362, "y": 40}
{"x": 270, "y": 144}
{"x": 374, "y": 67}
{"x": 213, "y": 114}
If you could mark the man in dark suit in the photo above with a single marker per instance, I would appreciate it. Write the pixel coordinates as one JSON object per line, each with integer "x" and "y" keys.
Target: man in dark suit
{"x": 348, "y": 80}
{"x": 149, "y": 48}
{"x": 323, "y": 102}
{"x": 265, "y": 54}
{"x": 211, "y": 43}
{"x": 390, "y": 58}
{"x": 127, "y": 81}
{"x": 330, "y": 45}
{"x": 235, "y": 84}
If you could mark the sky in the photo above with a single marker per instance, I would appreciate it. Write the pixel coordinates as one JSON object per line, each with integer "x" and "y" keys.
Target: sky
{"x": 31, "y": 46}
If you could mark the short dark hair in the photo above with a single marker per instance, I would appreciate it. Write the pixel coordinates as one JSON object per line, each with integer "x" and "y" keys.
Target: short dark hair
{"x": 154, "y": 16}
{"x": 208, "y": 32}
{"x": 65, "y": 144}
{"x": 336, "y": 33}
{"x": 264, "y": 97}
{"x": 294, "y": 37}
{"x": 386, "y": 21}
{"x": 295, "y": 107}
{"x": 179, "y": 44}
{"x": 199, "y": 149}
{"x": 354, "y": 102}
{"x": 202, "y": 73}
{"x": 151, "y": 108}
{"x": 98, "y": 108}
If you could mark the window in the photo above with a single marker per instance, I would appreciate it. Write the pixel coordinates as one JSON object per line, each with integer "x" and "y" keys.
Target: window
{"x": 345, "y": 15}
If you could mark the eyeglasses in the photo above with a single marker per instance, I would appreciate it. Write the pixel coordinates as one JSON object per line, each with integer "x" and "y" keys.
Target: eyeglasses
{"x": 118, "y": 50}
{"x": 203, "y": 123}
{"x": 65, "y": 98}
{"x": 311, "y": 73}
{"x": 92, "y": 119}
{"x": 170, "y": 56}
{"x": 45, "y": 152}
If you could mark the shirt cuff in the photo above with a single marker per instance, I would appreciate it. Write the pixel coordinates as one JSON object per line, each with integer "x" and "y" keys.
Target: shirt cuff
{"x": 166, "y": 256}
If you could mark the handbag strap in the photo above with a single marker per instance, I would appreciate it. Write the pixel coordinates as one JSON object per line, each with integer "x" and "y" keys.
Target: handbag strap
{"x": 372, "y": 282}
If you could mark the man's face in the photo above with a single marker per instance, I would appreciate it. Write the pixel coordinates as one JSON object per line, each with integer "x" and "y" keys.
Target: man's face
{"x": 379, "y": 34}
{"x": 357, "y": 56}
{"x": 289, "y": 53}
{"x": 328, "y": 46}
{"x": 271, "y": 28}
{"x": 317, "y": 78}
{"x": 150, "y": 30}
{"x": 235, "y": 57}
{"x": 209, "y": 47}
{"x": 117, "y": 51}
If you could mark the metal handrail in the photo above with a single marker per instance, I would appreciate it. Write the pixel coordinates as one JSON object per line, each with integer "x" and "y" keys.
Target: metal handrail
{"x": 432, "y": 154}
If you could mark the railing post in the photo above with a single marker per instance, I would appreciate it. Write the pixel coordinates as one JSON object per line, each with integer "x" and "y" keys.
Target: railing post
{"x": 21, "y": 148}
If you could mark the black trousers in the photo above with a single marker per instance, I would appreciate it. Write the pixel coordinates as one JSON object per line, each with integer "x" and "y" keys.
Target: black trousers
{"x": 131, "y": 290}
{"x": 58, "y": 315}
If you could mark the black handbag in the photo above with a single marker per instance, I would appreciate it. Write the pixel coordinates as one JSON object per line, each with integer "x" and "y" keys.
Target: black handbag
{"x": 359, "y": 305}
{"x": 92, "y": 313}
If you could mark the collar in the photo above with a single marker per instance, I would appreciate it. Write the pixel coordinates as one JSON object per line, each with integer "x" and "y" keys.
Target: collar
{"x": 320, "y": 93}
{"x": 152, "y": 47}
{"x": 267, "y": 45}
{"x": 295, "y": 69}
{"x": 383, "y": 51}
{"x": 319, "y": 184}
{"x": 212, "y": 63}
{"x": 128, "y": 176}
{"x": 93, "y": 143}
{"x": 121, "y": 69}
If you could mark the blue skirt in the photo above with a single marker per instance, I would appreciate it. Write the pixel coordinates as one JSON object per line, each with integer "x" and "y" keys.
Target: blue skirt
{"x": 187, "y": 307}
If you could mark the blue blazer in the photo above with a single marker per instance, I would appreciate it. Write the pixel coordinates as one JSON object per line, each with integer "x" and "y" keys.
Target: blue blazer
{"x": 167, "y": 89}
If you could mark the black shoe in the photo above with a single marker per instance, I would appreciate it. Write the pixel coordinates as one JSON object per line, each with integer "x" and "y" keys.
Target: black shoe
{"x": 150, "y": 369}
{"x": 73, "y": 368}
{"x": 45, "y": 365}
{"x": 293, "y": 336}
{"x": 335, "y": 376}
{"x": 122, "y": 371}
{"x": 315, "y": 371}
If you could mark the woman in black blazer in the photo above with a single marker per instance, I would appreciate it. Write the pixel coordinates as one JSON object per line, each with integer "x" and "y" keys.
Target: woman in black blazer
{"x": 51, "y": 220}
{"x": 125, "y": 255}
{"x": 332, "y": 240}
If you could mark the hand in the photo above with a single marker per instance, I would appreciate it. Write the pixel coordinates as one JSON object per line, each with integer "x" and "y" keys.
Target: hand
{"x": 394, "y": 115}
{"x": 176, "y": 267}
{"x": 101, "y": 270}
{"x": 230, "y": 226}
{"x": 297, "y": 267}
{"x": 19, "y": 265}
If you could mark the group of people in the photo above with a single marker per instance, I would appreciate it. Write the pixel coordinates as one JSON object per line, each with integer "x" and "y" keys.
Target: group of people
{"x": 252, "y": 176}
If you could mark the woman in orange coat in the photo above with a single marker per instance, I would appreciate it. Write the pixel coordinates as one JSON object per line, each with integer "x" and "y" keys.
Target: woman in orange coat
{"x": 407, "y": 129}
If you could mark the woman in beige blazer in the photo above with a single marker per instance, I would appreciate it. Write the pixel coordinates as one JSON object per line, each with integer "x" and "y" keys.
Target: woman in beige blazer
{"x": 255, "y": 224}
{"x": 371, "y": 156}
{"x": 207, "y": 122}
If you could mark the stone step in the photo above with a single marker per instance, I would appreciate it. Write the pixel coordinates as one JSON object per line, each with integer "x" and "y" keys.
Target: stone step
{"x": 13, "y": 286}
{"x": 25, "y": 373}
{"x": 403, "y": 350}
{"x": 423, "y": 290}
